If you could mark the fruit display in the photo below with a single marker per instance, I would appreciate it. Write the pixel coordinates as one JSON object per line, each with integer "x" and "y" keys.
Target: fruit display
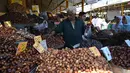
{"x": 5, "y": 32}
{"x": 9, "y": 61}
{"x": 19, "y": 18}
{"x": 16, "y": 17}
{"x": 25, "y": 34}
{"x": 119, "y": 38}
{"x": 116, "y": 39}
{"x": 104, "y": 34}
{"x": 72, "y": 61}
{"x": 121, "y": 56}
{"x": 90, "y": 43}
{"x": 55, "y": 41}
{"x": 16, "y": 7}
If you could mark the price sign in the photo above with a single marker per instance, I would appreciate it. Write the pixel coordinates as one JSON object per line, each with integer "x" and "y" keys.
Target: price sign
{"x": 95, "y": 51}
{"x": 127, "y": 42}
{"x": 107, "y": 53}
{"x": 21, "y": 47}
{"x": 37, "y": 39}
{"x": 7, "y": 24}
{"x": 38, "y": 47}
{"x": 44, "y": 45}
{"x": 35, "y": 9}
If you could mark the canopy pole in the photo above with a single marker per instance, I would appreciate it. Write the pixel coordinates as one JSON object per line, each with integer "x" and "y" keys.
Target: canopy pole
{"x": 91, "y": 15}
{"x": 122, "y": 9}
{"x": 67, "y": 4}
{"x": 24, "y": 3}
{"x": 82, "y": 5}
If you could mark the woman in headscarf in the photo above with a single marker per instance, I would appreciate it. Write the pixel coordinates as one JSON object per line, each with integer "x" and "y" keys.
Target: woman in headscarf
{"x": 118, "y": 26}
{"x": 126, "y": 23}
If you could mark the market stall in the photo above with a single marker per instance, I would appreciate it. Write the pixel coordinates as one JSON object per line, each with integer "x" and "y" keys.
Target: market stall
{"x": 26, "y": 49}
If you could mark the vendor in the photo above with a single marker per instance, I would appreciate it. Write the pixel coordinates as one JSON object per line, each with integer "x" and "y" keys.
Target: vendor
{"x": 126, "y": 23}
{"x": 72, "y": 29}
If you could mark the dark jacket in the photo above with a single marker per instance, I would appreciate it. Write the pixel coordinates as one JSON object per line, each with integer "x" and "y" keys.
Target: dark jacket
{"x": 71, "y": 36}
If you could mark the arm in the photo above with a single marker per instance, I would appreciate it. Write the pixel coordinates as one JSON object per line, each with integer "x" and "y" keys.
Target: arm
{"x": 59, "y": 28}
{"x": 83, "y": 28}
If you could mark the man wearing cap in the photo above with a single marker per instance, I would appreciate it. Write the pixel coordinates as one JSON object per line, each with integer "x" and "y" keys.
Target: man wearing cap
{"x": 72, "y": 29}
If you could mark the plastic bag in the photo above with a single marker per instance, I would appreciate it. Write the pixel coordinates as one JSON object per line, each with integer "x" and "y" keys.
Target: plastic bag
{"x": 42, "y": 26}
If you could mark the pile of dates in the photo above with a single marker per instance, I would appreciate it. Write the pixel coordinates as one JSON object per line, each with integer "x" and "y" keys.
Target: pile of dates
{"x": 16, "y": 7}
{"x": 72, "y": 61}
{"x": 25, "y": 34}
{"x": 23, "y": 63}
{"x": 55, "y": 41}
{"x": 6, "y": 31}
{"x": 9, "y": 61}
{"x": 90, "y": 43}
{"x": 118, "y": 38}
{"x": 16, "y": 17}
{"x": 121, "y": 56}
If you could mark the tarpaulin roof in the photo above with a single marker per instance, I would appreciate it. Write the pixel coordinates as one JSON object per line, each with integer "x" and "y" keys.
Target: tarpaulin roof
{"x": 51, "y": 5}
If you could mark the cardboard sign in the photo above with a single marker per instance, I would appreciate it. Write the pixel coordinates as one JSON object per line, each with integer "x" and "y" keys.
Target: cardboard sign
{"x": 7, "y": 24}
{"x": 38, "y": 47}
{"x": 21, "y": 47}
{"x": 35, "y": 9}
{"x": 95, "y": 51}
{"x": 107, "y": 53}
{"x": 37, "y": 39}
{"x": 127, "y": 42}
{"x": 44, "y": 45}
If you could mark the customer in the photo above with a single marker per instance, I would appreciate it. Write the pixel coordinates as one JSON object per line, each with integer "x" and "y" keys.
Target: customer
{"x": 118, "y": 26}
{"x": 126, "y": 23}
{"x": 97, "y": 22}
{"x": 88, "y": 32}
{"x": 82, "y": 16}
{"x": 72, "y": 29}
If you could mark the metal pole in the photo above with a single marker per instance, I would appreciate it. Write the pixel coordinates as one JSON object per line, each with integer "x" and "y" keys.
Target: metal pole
{"x": 122, "y": 9}
{"x": 82, "y": 5}
{"x": 67, "y": 4}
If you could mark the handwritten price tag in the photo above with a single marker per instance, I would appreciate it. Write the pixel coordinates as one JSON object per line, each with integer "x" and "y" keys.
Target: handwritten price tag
{"x": 7, "y": 24}
{"x": 38, "y": 47}
{"x": 21, "y": 47}
{"x": 107, "y": 53}
{"x": 127, "y": 42}
{"x": 95, "y": 51}
{"x": 37, "y": 39}
{"x": 44, "y": 45}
